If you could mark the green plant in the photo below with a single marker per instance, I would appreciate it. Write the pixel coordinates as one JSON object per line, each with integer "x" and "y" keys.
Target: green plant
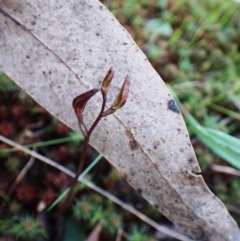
{"x": 113, "y": 221}
{"x": 84, "y": 209}
{"x": 15, "y": 207}
{"x": 26, "y": 228}
{"x": 137, "y": 234}
{"x": 5, "y": 223}
{"x": 6, "y": 83}
{"x": 12, "y": 164}
{"x": 98, "y": 215}
{"x": 222, "y": 144}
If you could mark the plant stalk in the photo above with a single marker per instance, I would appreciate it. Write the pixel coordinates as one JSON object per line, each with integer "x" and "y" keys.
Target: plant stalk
{"x": 84, "y": 151}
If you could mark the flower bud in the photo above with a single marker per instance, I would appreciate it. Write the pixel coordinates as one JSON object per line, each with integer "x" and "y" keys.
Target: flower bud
{"x": 120, "y": 99}
{"x": 122, "y": 96}
{"x": 107, "y": 81}
{"x": 80, "y": 102}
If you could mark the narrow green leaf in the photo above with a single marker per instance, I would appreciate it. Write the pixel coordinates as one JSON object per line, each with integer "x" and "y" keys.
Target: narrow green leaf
{"x": 75, "y": 137}
{"x": 225, "y": 140}
{"x": 222, "y": 144}
{"x": 83, "y": 174}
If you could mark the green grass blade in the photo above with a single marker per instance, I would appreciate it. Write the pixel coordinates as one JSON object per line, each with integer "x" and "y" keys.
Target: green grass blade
{"x": 218, "y": 146}
{"x": 72, "y": 138}
{"x": 222, "y": 144}
{"x": 217, "y": 142}
{"x": 84, "y": 173}
{"x": 59, "y": 199}
{"x": 225, "y": 140}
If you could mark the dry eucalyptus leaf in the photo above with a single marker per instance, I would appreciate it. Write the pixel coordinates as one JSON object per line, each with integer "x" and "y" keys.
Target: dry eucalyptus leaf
{"x": 95, "y": 234}
{"x": 56, "y": 50}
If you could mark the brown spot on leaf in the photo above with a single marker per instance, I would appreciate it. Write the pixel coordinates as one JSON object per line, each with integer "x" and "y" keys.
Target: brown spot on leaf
{"x": 132, "y": 143}
{"x": 190, "y": 161}
{"x": 163, "y": 141}
{"x": 156, "y": 144}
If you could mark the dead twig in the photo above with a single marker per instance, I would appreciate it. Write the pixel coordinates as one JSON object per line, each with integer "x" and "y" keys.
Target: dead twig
{"x": 225, "y": 169}
{"x": 22, "y": 173}
{"x": 18, "y": 179}
{"x": 120, "y": 234}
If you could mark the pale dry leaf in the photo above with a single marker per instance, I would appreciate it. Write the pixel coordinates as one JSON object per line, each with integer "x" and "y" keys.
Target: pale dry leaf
{"x": 95, "y": 234}
{"x": 56, "y": 50}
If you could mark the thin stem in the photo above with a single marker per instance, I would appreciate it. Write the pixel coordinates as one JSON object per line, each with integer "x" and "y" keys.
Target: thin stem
{"x": 79, "y": 169}
{"x": 18, "y": 179}
{"x": 66, "y": 191}
{"x": 225, "y": 111}
{"x": 84, "y": 150}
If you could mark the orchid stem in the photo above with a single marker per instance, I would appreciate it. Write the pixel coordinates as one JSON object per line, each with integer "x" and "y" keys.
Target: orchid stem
{"x": 79, "y": 104}
{"x": 84, "y": 151}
